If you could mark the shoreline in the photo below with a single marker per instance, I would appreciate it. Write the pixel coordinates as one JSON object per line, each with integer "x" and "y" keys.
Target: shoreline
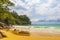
{"x": 35, "y": 34}
{"x": 42, "y": 31}
{"x": 45, "y": 32}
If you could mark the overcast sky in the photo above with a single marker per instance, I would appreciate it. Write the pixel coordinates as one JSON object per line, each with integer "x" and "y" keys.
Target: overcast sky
{"x": 38, "y": 9}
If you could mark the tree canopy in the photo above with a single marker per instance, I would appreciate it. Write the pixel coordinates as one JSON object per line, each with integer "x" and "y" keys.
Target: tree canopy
{"x": 13, "y": 18}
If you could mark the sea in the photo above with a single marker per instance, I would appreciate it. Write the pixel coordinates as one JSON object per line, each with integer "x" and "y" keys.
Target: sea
{"x": 34, "y": 26}
{"x": 46, "y": 25}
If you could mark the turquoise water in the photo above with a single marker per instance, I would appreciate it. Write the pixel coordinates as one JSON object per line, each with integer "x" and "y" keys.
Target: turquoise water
{"x": 46, "y": 25}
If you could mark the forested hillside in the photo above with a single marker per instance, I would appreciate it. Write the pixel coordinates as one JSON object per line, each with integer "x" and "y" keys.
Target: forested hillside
{"x": 8, "y": 17}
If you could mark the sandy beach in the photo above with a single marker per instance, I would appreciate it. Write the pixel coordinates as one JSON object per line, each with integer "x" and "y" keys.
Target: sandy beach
{"x": 11, "y": 36}
{"x": 45, "y": 32}
{"x": 35, "y": 34}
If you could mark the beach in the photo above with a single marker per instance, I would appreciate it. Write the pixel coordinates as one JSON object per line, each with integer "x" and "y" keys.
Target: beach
{"x": 11, "y": 36}
{"x": 45, "y": 32}
{"x": 35, "y": 34}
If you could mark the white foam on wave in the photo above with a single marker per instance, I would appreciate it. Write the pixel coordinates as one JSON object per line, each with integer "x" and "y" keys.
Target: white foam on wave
{"x": 38, "y": 29}
{"x": 46, "y": 29}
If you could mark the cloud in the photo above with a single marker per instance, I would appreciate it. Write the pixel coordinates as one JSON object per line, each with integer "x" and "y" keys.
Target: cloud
{"x": 23, "y": 1}
{"x": 20, "y": 8}
{"x": 38, "y": 9}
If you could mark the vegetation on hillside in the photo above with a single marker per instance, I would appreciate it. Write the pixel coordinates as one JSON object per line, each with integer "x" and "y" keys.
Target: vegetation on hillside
{"x": 8, "y": 17}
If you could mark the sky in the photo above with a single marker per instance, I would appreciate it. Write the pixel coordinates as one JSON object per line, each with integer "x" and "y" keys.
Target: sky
{"x": 38, "y": 9}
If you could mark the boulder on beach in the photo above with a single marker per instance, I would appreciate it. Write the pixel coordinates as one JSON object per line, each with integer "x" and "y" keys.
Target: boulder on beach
{"x": 26, "y": 33}
{"x": 21, "y": 33}
{"x": 2, "y": 35}
{"x": 2, "y": 25}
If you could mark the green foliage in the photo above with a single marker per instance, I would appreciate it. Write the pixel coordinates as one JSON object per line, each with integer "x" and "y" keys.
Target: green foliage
{"x": 24, "y": 19}
{"x": 12, "y": 18}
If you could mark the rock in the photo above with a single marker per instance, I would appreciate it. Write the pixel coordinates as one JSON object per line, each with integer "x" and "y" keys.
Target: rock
{"x": 2, "y": 35}
{"x": 2, "y": 25}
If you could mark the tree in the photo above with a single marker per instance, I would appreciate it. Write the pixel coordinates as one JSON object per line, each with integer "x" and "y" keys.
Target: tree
{"x": 25, "y": 20}
{"x": 4, "y": 5}
{"x": 12, "y": 18}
